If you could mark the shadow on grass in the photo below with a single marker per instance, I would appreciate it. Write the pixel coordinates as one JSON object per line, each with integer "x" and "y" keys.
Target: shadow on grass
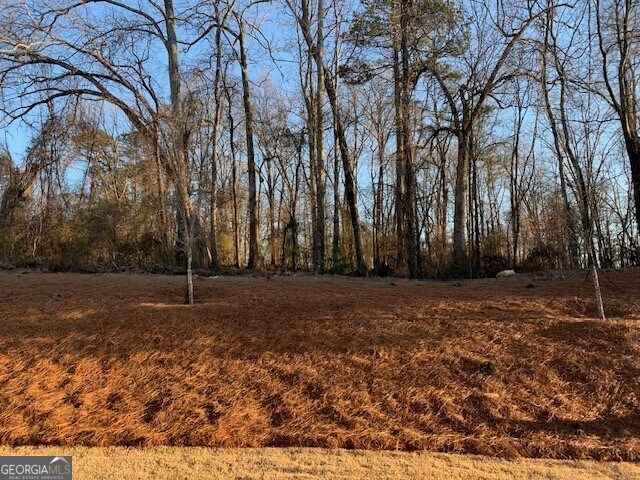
{"x": 607, "y": 426}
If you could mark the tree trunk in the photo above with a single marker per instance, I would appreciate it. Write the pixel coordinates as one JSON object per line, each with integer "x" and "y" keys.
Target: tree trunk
{"x": 162, "y": 205}
{"x": 443, "y": 197}
{"x": 399, "y": 194}
{"x": 410, "y": 233}
{"x": 349, "y": 180}
{"x": 335, "y": 254}
{"x": 460, "y": 203}
{"x": 633, "y": 151}
{"x": 574, "y": 252}
{"x": 234, "y": 186}
{"x": 251, "y": 164}
{"x": 177, "y": 128}
{"x": 378, "y": 212}
{"x": 217, "y": 117}
{"x": 476, "y": 217}
{"x": 318, "y": 241}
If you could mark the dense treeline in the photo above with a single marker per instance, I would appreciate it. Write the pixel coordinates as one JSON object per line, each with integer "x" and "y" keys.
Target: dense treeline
{"x": 408, "y": 137}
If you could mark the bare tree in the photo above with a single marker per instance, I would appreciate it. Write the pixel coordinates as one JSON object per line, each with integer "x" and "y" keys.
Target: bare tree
{"x": 36, "y": 45}
{"x": 617, "y": 24}
{"x": 467, "y": 87}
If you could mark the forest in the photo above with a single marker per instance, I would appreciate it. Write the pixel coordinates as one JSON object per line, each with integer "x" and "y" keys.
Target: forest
{"x": 416, "y": 138}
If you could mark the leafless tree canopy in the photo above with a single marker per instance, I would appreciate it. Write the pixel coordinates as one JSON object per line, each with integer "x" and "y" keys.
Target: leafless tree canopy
{"x": 420, "y": 138}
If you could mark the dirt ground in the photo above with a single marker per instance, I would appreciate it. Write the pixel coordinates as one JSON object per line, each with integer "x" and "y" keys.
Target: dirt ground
{"x": 195, "y": 463}
{"x": 489, "y": 367}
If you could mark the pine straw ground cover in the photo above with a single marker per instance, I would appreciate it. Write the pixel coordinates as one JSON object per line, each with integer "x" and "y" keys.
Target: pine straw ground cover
{"x": 104, "y": 360}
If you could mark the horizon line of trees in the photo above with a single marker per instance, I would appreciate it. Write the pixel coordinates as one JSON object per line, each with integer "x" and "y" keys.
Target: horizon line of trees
{"x": 418, "y": 138}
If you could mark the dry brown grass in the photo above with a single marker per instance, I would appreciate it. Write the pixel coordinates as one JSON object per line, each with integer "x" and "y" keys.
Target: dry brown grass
{"x": 117, "y": 360}
{"x": 196, "y": 463}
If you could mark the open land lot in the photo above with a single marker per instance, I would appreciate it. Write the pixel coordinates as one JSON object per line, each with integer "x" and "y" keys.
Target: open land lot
{"x": 490, "y": 367}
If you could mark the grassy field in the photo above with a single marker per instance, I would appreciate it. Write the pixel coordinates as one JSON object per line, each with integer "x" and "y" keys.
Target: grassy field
{"x": 490, "y": 367}
{"x": 196, "y": 463}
